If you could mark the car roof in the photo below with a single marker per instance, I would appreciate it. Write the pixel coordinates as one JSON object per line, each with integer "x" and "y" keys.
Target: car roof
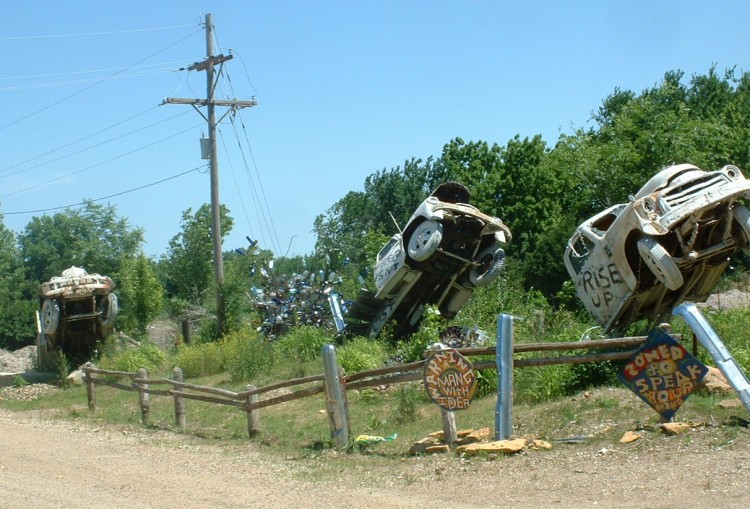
{"x": 664, "y": 177}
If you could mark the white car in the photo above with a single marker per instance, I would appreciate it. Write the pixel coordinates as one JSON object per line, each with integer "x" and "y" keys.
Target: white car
{"x": 447, "y": 249}
{"x": 670, "y": 243}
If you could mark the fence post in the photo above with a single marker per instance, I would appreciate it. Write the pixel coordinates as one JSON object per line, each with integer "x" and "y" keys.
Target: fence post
{"x": 344, "y": 399}
{"x": 89, "y": 379}
{"x": 335, "y": 404}
{"x": 179, "y": 403}
{"x": 504, "y": 362}
{"x": 143, "y": 396}
{"x": 449, "y": 426}
{"x": 187, "y": 331}
{"x": 253, "y": 416}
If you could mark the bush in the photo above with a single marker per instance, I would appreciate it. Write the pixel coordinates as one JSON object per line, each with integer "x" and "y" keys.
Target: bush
{"x": 303, "y": 343}
{"x": 246, "y": 355}
{"x": 147, "y": 355}
{"x": 200, "y": 360}
{"x": 361, "y": 354}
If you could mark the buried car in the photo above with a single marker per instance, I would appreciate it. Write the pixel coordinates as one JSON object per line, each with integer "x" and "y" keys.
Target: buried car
{"x": 670, "y": 243}
{"x": 447, "y": 249}
{"x": 78, "y": 310}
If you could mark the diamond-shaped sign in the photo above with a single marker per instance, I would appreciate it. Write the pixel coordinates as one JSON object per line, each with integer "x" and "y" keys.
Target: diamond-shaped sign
{"x": 663, "y": 373}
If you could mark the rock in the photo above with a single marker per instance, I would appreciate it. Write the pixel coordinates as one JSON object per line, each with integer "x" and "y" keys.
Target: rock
{"x": 474, "y": 436}
{"x": 500, "y": 446}
{"x": 729, "y": 403}
{"x": 539, "y": 444}
{"x": 76, "y": 377}
{"x": 629, "y": 436}
{"x": 421, "y": 446}
{"x": 438, "y": 449}
{"x": 674, "y": 428}
{"x": 715, "y": 382}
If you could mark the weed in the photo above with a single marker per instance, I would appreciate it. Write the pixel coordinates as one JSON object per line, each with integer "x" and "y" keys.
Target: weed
{"x": 361, "y": 354}
{"x": 18, "y": 381}
{"x": 408, "y": 399}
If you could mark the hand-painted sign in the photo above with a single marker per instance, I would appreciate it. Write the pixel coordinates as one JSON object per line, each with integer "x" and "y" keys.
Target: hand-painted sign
{"x": 663, "y": 373}
{"x": 450, "y": 380}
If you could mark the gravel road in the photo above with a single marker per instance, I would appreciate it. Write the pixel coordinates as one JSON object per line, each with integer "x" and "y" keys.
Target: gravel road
{"x": 73, "y": 464}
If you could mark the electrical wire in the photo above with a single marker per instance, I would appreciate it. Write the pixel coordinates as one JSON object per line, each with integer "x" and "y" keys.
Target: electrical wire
{"x": 140, "y": 129}
{"x": 52, "y": 105}
{"x": 106, "y": 197}
{"x": 37, "y": 86}
{"x": 262, "y": 207}
{"x": 97, "y": 164}
{"x": 90, "y": 34}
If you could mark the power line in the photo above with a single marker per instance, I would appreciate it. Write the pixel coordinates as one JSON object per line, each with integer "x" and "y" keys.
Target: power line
{"x": 95, "y": 84}
{"x": 110, "y": 69}
{"x": 90, "y": 34}
{"x": 97, "y": 164}
{"x": 106, "y": 197}
{"x": 82, "y": 81}
{"x": 90, "y": 147}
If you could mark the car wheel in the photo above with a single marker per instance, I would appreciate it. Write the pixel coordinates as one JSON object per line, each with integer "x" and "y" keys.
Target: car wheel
{"x": 425, "y": 240}
{"x": 660, "y": 262}
{"x": 742, "y": 218}
{"x": 50, "y": 316}
{"x": 109, "y": 315}
{"x": 490, "y": 262}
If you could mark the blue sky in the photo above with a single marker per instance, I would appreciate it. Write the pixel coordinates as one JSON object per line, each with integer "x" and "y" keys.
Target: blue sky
{"x": 344, "y": 89}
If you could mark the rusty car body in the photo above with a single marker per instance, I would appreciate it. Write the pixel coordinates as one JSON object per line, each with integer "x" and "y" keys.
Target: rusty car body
{"x": 78, "y": 310}
{"x": 671, "y": 242}
{"x": 447, "y": 249}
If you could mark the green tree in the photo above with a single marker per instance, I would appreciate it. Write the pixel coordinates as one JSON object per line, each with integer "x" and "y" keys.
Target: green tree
{"x": 188, "y": 265}
{"x": 92, "y": 237}
{"x": 18, "y": 299}
{"x": 141, "y": 293}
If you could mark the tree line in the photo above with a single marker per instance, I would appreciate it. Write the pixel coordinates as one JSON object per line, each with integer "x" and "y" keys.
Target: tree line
{"x": 542, "y": 192}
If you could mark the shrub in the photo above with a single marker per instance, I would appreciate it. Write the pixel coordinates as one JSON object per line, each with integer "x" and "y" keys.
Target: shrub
{"x": 147, "y": 355}
{"x": 200, "y": 360}
{"x": 361, "y": 354}
{"x": 303, "y": 343}
{"x": 246, "y": 355}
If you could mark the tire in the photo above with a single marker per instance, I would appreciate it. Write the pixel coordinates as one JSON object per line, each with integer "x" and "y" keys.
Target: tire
{"x": 109, "y": 314}
{"x": 491, "y": 261}
{"x": 50, "y": 316}
{"x": 424, "y": 240}
{"x": 660, "y": 263}
{"x": 742, "y": 218}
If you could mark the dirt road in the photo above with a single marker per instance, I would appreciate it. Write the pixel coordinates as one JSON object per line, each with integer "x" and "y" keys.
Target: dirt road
{"x": 71, "y": 464}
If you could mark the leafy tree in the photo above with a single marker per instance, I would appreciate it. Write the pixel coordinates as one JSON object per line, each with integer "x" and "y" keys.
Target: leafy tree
{"x": 92, "y": 237}
{"x": 18, "y": 299}
{"x": 188, "y": 265}
{"x": 141, "y": 293}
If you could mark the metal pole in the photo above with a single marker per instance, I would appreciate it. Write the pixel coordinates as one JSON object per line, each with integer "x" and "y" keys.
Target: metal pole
{"x": 335, "y": 403}
{"x": 504, "y": 362}
{"x": 711, "y": 341}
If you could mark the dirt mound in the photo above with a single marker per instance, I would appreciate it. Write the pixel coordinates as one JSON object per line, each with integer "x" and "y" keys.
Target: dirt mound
{"x": 18, "y": 361}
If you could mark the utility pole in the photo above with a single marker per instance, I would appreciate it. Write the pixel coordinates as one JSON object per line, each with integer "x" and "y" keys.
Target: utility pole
{"x": 211, "y": 103}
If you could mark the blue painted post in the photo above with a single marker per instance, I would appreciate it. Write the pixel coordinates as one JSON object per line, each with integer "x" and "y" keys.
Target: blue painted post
{"x": 335, "y": 403}
{"x": 711, "y": 341}
{"x": 504, "y": 361}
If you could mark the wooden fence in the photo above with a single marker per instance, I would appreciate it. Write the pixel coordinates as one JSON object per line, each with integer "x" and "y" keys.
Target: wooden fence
{"x": 249, "y": 400}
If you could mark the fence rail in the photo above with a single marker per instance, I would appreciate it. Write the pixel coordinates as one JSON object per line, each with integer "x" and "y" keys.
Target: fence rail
{"x": 249, "y": 402}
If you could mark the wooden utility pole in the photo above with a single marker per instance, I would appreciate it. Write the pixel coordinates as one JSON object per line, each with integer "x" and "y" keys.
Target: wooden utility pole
{"x": 211, "y": 103}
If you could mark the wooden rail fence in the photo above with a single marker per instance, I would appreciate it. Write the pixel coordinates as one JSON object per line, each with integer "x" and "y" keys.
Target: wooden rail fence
{"x": 249, "y": 400}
